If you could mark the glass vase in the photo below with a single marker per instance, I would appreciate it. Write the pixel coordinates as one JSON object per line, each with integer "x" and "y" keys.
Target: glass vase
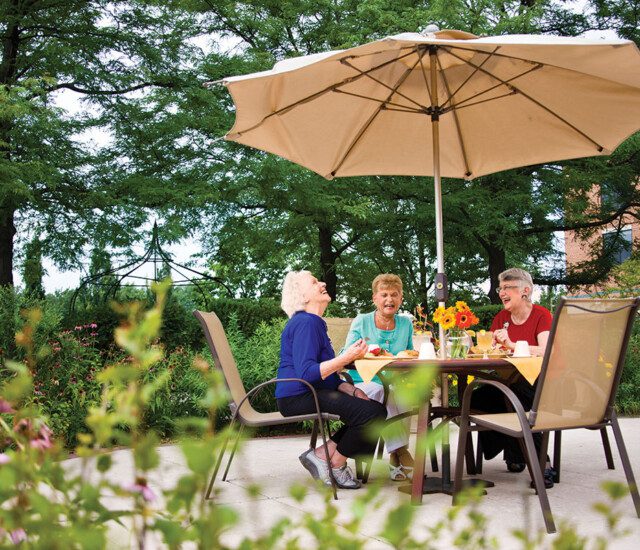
{"x": 458, "y": 344}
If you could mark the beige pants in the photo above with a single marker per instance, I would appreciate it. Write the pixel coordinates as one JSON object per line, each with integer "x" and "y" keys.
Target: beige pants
{"x": 400, "y": 438}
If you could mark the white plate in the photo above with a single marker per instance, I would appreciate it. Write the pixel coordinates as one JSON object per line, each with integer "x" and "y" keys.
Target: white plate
{"x": 521, "y": 356}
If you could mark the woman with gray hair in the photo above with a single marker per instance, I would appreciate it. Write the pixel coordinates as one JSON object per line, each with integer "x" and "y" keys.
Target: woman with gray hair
{"x": 306, "y": 353}
{"x": 519, "y": 320}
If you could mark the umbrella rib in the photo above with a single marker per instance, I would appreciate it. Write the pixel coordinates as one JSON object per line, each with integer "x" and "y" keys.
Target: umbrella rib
{"x": 330, "y": 88}
{"x": 458, "y": 106}
{"x": 424, "y": 75}
{"x": 533, "y": 100}
{"x": 504, "y": 83}
{"x": 382, "y": 101}
{"x": 373, "y": 116}
{"x": 489, "y": 55}
{"x": 395, "y": 91}
{"x": 455, "y": 118}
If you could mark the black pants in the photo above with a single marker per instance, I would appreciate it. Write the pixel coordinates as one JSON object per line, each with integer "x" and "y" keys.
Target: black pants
{"x": 355, "y": 437}
{"x": 489, "y": 399}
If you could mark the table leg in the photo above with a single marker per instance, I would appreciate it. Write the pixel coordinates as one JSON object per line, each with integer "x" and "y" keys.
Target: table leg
{"x": 421, "y": 454}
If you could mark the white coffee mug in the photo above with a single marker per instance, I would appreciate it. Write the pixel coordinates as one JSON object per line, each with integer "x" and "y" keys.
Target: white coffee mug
{"x": 427, "y": 351}
{"x": 522, "y": 349}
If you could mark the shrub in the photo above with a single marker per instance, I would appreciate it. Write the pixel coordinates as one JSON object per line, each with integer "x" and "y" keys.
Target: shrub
{"x": 8, "y": 311}
{"x": 65, "y": 384}
{"x": 182, "y": 395}
{"x": 628, "y": 398}
{"x": 258, "y": 358}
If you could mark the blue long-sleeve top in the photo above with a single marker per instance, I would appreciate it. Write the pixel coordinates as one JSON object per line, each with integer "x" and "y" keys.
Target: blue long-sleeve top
{"x": 303, "y": 346}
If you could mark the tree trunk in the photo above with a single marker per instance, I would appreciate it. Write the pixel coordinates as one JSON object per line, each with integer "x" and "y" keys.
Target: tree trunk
{"x": 497, "y": 264}
{"x": 7, "y": 231}
{"x": 328, "y": 259}
{"x": 10, "y": 43}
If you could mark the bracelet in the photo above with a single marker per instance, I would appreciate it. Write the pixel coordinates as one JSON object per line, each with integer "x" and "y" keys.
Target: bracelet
{"x": 354, "y": 391}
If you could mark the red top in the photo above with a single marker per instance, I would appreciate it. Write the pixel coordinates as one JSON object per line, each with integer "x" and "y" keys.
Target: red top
{"x": 539, "y": 320}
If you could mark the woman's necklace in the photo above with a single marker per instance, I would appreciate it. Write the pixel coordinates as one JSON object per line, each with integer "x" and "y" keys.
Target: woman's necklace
{"x": 384, "y": 324}
{"x": 520, "y": 317}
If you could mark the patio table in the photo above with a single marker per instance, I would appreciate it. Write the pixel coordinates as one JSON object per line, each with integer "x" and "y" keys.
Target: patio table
{"x": 481, "y": 368}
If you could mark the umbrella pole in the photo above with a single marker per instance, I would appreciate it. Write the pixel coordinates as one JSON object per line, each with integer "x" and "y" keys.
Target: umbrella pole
{"x": 441, "y": 278}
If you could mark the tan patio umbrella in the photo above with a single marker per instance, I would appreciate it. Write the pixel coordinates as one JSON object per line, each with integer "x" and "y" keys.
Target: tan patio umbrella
{"x": 442, "y": 103}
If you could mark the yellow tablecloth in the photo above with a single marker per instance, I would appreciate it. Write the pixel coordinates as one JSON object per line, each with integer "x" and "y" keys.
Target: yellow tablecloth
{"x": 529, "y": 367}
{"x": 368, "y": 368}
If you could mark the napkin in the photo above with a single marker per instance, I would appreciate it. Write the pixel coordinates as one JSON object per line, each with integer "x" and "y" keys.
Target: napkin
{"x": 368, "y": 368}
{"x": 529, "y": 367}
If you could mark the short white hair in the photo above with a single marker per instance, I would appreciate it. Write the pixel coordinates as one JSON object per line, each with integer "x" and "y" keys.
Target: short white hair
{"x": 292, "y": 296}
{"x": 520, "y": 276}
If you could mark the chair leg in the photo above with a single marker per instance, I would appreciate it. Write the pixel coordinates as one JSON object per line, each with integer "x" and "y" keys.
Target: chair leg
{"x": 233, "y": 452}
{"x": 314, "y": 435}
{"x": 538, "y": 479}
{"x": 433, "y": 452}
{"x": 557, "y": 454}
{"x": 324, "y": 429}
{"x": 460, "y": 456}
{"x": 479, "y": 456}
{"x": 471, "y": 463}
{"x": 216, "y": 468}
{"x": 542, "y": 455}
{"x": 607, "y": 448}
{"x": 366, "y": 470}
{"x": 626, "y": 464}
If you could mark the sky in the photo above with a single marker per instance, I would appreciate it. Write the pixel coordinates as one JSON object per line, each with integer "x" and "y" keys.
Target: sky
{"x": 55, "y": 279}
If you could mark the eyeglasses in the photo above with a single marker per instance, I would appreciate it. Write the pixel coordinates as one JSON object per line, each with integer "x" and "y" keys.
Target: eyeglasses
{"x": 506, "y": 287}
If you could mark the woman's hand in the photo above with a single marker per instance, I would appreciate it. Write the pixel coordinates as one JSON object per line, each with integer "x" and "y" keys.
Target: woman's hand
{"x": 355, "y": 351}
{"x": 360, "y": 394}
{"x": 501, "y": 336}
{"x": 350, "y": 389}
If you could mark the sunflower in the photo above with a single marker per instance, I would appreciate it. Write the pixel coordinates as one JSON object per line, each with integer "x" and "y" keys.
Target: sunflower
{"x": 462, "y": 306}
{"x": 448, "y": 320}
{"x": 437, "y": 314}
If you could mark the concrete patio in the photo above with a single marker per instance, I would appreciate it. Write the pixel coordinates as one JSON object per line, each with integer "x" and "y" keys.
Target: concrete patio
{"x": 272, "y": 464}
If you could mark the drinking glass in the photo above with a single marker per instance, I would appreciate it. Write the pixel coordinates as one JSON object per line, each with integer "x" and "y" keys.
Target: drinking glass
{"x": 485, "y": 342}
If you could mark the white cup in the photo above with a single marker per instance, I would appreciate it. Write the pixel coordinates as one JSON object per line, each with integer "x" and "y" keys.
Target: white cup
{"x": 427, "y": 351}
{"x": 522, "y": 349}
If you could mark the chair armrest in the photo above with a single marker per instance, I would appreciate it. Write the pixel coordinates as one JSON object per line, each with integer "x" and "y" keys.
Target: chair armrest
{"x": 508, "y": 393}
{"x": 257, "y": 388}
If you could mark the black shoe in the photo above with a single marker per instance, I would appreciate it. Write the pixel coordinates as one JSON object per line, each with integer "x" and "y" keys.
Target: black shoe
{"x": 515, "y": 467}
{"x": 549, "y": 476}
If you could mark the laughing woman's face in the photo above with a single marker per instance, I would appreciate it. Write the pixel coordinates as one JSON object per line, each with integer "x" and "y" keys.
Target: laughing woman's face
{"x": 387, "y": 300}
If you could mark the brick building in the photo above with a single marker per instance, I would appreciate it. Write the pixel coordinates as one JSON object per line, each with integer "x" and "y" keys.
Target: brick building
{"x": 621, "y": 237}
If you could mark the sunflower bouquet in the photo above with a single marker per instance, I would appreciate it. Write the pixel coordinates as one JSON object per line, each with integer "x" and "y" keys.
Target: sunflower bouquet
{"x": 455, "y": 320}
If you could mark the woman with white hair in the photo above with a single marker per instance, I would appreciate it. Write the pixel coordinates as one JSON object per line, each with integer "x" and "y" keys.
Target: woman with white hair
{"x": 306, "y": 353}
{"x": 519, "y": 320}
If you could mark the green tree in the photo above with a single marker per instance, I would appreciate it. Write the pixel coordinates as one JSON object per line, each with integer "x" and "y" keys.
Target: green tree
{"x": 111, "y": 56}
{"x": 32, "y": 270}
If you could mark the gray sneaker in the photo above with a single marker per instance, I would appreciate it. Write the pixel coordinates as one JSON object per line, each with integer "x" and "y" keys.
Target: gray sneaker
{"x": 316, "y": 467}
{"x": 344, "y": 478}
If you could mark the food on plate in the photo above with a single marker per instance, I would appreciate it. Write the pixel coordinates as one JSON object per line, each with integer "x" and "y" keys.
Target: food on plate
{"x": 376, "y": 351}
{"x": 407, "y": 354}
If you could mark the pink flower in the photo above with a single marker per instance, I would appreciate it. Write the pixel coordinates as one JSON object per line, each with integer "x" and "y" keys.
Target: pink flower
{"x": 5, "y": 406}
{"x": 18, "y": 535}
{"x": 78, "y": 327}
{"x": 4, "y": 459}
{"x": 38, "y": 440}
{"x": 93, "y": 325}
{"x": 140, "y": 486}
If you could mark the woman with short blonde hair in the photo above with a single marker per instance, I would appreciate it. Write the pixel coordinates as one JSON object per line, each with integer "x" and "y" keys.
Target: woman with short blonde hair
{"x": 383, "y": 327}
